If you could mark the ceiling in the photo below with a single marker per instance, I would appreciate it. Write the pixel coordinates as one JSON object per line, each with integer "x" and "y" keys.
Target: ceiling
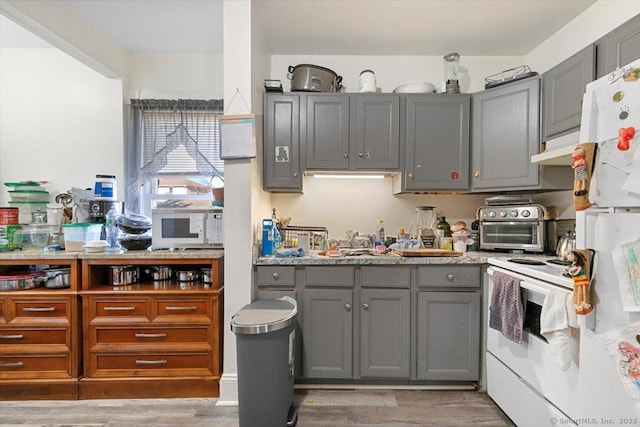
{"x": 333, "y": 27}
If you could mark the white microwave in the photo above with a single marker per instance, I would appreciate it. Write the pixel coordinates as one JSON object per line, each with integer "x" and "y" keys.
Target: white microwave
{"x": 187, "y": 228}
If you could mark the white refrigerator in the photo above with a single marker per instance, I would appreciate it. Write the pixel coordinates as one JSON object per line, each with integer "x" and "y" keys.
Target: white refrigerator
{"x": 607, "y": 387}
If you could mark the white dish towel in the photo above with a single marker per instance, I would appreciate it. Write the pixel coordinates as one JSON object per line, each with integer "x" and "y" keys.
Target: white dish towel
{"x": 556, "y": 318}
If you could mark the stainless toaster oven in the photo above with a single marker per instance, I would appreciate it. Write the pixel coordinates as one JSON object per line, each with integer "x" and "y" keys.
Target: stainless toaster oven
{"x": 516, "y": 228}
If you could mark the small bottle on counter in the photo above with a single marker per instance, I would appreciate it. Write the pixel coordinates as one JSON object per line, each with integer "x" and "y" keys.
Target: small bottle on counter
{"x": 112, "y": 231}
{"x": 380, "y": 235}
{"x": 443, "y": 229}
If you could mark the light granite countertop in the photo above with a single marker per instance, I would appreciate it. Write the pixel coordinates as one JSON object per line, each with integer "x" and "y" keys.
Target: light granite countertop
{"x": 392, "y": 259}
{"x": 39, "y": 254}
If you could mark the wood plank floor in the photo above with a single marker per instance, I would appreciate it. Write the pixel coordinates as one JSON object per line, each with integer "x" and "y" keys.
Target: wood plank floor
{"x": 332, "y": 408}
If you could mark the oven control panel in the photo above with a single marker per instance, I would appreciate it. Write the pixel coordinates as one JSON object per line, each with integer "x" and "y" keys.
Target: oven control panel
{"x": 511, "y": 213}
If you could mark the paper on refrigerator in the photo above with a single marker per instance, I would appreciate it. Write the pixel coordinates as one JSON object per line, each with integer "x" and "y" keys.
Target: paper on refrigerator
{"x": 626, "y": 258}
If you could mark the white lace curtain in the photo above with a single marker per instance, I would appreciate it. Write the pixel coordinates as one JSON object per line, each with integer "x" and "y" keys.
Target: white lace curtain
{"x": 178, "y": 137}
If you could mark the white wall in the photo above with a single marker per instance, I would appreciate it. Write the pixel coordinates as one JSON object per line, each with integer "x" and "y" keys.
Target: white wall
{"x": 60, "y": 121}
{"x": 175, "y": 76}
{"x": 602, "y": 17}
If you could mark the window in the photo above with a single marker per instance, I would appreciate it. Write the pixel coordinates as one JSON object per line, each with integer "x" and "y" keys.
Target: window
{"x": 173, "y": 154}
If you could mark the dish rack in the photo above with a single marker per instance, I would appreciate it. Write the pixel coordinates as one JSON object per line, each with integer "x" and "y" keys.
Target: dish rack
{"x": 507, "y": 76}
{"x": 316, "y": 235}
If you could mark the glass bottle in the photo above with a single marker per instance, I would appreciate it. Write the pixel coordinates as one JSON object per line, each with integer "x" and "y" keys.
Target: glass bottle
{"x": 443, "y": 229}
{"x": 112, "y": 231}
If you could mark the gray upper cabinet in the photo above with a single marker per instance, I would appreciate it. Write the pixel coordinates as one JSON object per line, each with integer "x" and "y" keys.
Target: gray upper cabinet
{"x": 563, "y": 87}
{"x": 505, "y": 134}
{"x": 281, "y": 157}
{"x": 352, "y": 132}
{"x": 619, "y": 47}
{"x": 436, "y": 135}
{"x": 375, "y": 132}
{"x": 448, "y": 336}
{"x": 326, "y": 125}
{"x": 327, "y": 333}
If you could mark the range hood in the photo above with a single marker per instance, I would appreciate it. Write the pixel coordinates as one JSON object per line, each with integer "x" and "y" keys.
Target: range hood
{"x": 558, "y": 150}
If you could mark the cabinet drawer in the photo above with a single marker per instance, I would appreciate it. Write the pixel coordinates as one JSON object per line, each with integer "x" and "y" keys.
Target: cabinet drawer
{"x": 132, "y": 308}
{"x": 449, "y": 277}
{"x": 150, "y": 364}
{"x": 388, "y": 277}
{"x": 330, "y": 276}
{"x": 278, "y": 275}
{"x": 34, "y": 336}
{"x": 106, "y": 335}
{"x": 41, "y": 309}
{"x": 183, "y": 309}
{"x": 38, "y": 366}
{"x": 2, "y": 309}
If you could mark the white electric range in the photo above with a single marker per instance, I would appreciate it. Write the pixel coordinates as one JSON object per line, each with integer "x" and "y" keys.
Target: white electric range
{"x": 524, "y": 379}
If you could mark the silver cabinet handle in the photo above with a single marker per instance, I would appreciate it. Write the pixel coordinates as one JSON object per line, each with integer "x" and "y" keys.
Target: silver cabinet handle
{"x": 411, "y": 175}
{"x": 347, "y": 307}
{"x": 186, "y": 308}
{"x": 125, "y": 308}
{"x": 295, "y": 174}
{"x": 450, "y": 277}
{"x": 11, "y": 337}
{"x": 11, "y": 365}
{"x": 345, "y": 154}
{"x": 360, "y": 154}
{"x": 276, "y": 276}
{"x": 365, "y": 306}
{"x": 38, "y": 309}
{"x": 151, "y": 362}
{"x": 476, "y": 174}
{"x": 143, "y": 335}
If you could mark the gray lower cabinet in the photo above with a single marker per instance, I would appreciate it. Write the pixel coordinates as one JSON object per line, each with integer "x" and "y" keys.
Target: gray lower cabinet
{"x": 448, "y": 336}
{"x": 385, "y": 333}
{"x": 619, "y": 47}
{"x": 281, "y": 156}
{"x": 436, "y": 148}
{"x": 563, "y": 87}
{"x": 327, "y": 333}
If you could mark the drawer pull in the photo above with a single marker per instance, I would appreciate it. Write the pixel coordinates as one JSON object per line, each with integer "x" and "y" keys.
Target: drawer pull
{"x": 186, "y": 308}
{"x": 450, "y": 277}
{"x": 38, "y": 309}
{"x": 365, "y": 306}
{"x": 11, "y": 337}
{"x": 143, "y": 335}
{"x": 276, "y": 276}
{"x": 151, "y": 362}
{"x": 11, "y": 365}
{"x": 127, "y": 308}
{"x": 347, "y": 307}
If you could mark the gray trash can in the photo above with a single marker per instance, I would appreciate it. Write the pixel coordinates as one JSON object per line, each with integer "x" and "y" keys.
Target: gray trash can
{"x": 265, "y": 340}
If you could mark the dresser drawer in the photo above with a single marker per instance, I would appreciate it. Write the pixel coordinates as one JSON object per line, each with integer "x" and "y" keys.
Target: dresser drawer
{"x": 276, "y": 275}
{"x": 2, "y": 310}
{"x": 187, "y": 309}
{"x": 330, "y": 276}
{"x": 449, "y": 277}
{"x": 133, "y": 309}
{"x": 151, "y": 364}
{"x": 37, "y": 366}
{"x": 200, "y": 336}
{"x": 24, "y": 336}
{"x": 45, "y": 309}
{"x": 387, "y": 277}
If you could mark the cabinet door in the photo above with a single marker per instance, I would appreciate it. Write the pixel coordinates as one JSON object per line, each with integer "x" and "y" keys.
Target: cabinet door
{"x": 448, "y": 336}
{"x": 384, "y": 333}
{"x": 281, "y": 168}
{"x": 327, "y": 131}
{"x": 563, "y": 87}
{"x": 619, "y": 47}
{"x": 437, "y": 142}
{"x": 375, "y": 132}
{"x": 327, "y": 333}
{"x": 505, "y": 134}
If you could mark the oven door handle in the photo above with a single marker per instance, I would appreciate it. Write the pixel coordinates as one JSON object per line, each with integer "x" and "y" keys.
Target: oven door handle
{"x": 486, "y": 223}
{"x": 534, "y": 286}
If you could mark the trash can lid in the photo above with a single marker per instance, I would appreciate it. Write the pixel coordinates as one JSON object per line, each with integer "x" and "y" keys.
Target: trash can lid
{"x": 263, "y": 316}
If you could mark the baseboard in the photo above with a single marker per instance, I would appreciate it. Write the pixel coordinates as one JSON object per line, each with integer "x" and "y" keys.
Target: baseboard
{"x": 228, "y": 390}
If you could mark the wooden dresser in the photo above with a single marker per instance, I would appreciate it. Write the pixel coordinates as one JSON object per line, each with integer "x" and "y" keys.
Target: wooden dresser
{"x": 40, "y": 333}
{"x": 94, "y": 339}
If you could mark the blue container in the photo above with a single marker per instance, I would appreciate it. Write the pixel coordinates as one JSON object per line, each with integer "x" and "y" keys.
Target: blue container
{"x": 268, "y": 236}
